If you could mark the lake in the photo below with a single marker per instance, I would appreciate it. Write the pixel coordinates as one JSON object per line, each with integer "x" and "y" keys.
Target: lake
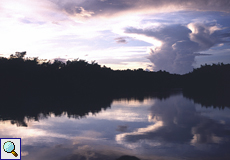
{"x": 153, "y": 128}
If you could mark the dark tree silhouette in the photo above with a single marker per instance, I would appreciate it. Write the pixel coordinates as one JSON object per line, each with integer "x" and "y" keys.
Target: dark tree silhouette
{"x": 31, "y": 86}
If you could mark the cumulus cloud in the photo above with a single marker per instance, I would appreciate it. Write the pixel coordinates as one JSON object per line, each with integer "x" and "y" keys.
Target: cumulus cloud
{"x": 179, "y": 44}
{"x": 204, "y": 35}
{"x": 46, "y": 25}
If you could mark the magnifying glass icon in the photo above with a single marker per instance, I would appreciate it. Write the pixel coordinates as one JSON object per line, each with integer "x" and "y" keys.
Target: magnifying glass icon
{"x": 9, "y": 147}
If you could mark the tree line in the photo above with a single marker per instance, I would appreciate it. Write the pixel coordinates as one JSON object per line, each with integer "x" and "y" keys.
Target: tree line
{"x": 29, "y": 86}
{"x": 21, "y": 75}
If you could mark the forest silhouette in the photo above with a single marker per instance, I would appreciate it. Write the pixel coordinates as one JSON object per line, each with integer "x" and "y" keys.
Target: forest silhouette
{"x": 30, "y": 86}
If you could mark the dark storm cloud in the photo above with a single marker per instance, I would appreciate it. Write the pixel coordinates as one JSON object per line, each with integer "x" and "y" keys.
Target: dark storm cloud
{"x": 114, "y": 7}
{"x": 121, "y": 40}
{"x": 180, "y": 44}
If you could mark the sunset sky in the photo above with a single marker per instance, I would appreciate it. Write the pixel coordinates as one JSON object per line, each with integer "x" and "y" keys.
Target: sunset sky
{"x": 171, "y": 35}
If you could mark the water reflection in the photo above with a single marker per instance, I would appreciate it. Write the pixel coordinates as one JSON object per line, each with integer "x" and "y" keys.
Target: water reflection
{"x": 179, "y": 128}
{"x": 164, "y": 127}
{"x": 209, "y": 99}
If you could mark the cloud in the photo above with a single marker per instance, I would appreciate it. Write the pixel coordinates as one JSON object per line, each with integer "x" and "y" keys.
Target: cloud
{"x": 77, "y": 11}
{"x": 201, "y": 54}
{"x": 122, "y": 128}
{"x": 85, "y": 26}
{"x": 121, "y": 40}
{"x": 59, "y": 59}
{"x": 107, "y": 8}
{"x": 204, "y": 35}
{"x": 179, "y": 44}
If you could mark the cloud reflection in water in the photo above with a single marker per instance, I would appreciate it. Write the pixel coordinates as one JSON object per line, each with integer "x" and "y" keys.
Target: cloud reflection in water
{"x": 169, "y": 128}
{"x": 177, "y": 128}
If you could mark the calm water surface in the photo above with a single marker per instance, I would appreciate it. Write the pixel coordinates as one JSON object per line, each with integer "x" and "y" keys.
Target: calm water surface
{"x": 171, "y": 128}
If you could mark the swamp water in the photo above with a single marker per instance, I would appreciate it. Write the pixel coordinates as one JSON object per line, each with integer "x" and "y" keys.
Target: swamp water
{"x": 153, "y": 128}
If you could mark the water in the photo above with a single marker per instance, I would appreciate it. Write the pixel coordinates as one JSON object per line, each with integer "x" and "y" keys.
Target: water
{"x": 168, "y": 128}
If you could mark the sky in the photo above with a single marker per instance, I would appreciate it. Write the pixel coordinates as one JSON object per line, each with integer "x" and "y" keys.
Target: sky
{"x": 171, "y": 35}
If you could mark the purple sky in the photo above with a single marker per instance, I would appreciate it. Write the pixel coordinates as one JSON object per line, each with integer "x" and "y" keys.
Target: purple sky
{"x": 171, "y": 35}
